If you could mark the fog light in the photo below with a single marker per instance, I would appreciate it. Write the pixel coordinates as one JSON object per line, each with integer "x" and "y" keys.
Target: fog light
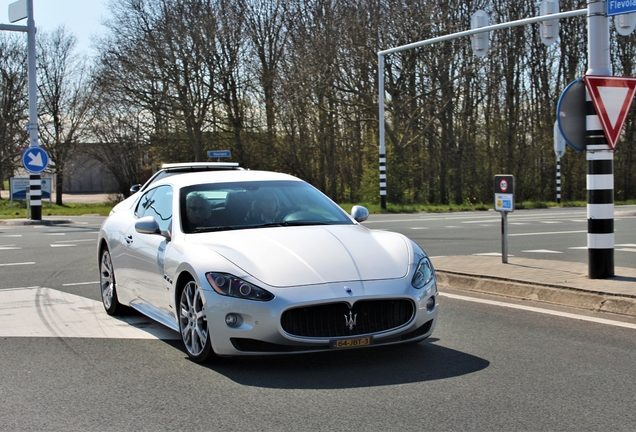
{"x": 430, "y": 303}
{"x": 232, "y": 320}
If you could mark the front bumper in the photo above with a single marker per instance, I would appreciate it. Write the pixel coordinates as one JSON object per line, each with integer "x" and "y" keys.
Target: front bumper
{"x": 258, "y": 329}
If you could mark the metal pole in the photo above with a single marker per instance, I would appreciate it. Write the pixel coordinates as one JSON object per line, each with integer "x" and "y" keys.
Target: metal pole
{"x": 381, "y": 123}
{"x": 504, "y": 237}
{"x": 35, "y": 182}
{"x": 600, "y": 157}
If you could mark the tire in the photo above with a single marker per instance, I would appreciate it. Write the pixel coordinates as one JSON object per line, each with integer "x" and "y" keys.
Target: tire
{"x": 193, "y": 324}
{"x": 107, "y": 285}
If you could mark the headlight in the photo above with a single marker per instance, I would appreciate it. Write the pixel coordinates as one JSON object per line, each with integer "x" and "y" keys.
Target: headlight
{"x": 229, "y": 285}
{"x": 424, "y": 273}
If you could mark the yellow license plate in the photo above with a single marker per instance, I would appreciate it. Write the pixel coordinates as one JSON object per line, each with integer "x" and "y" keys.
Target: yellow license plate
{"x": 351, "y": 343}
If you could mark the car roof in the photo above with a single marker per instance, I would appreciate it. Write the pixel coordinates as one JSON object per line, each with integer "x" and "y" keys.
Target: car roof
{"x": 202, "y": 177}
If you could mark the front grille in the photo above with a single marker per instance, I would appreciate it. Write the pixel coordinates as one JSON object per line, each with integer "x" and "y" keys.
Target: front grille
{"x": 335, "y": 319}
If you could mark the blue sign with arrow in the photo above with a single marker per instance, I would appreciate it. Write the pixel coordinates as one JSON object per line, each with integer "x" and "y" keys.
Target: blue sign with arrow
{"x": 618, "y": 7}
{"x": 35, "y": 159}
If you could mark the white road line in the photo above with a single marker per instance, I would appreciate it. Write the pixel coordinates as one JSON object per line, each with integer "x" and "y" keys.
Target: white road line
{"x": 44, "y": 312}
{"x": 550, "y": 222}
{"x": 54, "y": 245}
{"x": 80, "y": 283}
{"x": 628, "y": 245}
{"x": 17, "y": 264}
{"x": 12, "y": 235}
{"x": 543, "y": 251}
{"x": 542, "y": 311}
{"x": 578, "y": 248}
{"x": 55, "y": 234}
{"x": 626, "y": 250}
{"x": 9, "y": 248}
{"x": 490, "y": 254}
{"x": 547, "y": 233}
{"x": 74, "y": 241}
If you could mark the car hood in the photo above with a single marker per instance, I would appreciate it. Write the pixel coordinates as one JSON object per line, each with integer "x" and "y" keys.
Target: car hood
{"x": 293, "y": 256}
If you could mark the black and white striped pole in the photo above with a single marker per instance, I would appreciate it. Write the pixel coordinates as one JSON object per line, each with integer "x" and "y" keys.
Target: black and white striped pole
{"x": 600, "y": 157}
{"x": 381, "y": 127}
{"x": 559, "y": 150}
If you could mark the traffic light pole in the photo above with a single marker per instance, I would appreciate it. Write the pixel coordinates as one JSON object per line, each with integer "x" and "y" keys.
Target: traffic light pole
{"x": 599, "y": 155}
{"x": 35, "y": 180}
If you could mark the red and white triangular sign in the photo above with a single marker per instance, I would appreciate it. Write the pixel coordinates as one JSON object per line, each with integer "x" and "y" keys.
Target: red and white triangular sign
{"x": 612, "y": 97}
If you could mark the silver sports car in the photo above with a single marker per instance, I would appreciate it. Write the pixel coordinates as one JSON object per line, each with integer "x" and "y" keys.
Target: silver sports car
{"x": 251, "y": 263}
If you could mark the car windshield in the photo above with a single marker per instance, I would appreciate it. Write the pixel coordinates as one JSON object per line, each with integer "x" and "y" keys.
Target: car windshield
{"x": 243, "y": 205}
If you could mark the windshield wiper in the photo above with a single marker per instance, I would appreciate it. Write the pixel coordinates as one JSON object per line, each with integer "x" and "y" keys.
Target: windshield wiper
{"x": 212, "y": 229}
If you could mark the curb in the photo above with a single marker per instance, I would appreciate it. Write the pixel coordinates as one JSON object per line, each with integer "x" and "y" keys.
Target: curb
{"x": 564, "y": 296}
{"x": 16, "y": 222}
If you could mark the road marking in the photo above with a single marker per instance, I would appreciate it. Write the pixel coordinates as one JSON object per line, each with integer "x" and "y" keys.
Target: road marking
{"x": 490, "y": 254}
{"x": 547, "y": 233}
{"x": 550, "y": 222}
{"x": 542, "y": 251}
{"x": 75, "y": 241}
{"x": 54, "y": 234}
{"x": 628, "y": 245}
{"x": 542, "y": 311}
{"x": 44, "y": 312}
{"x": 9, "y": 247}
{"x": 12, "y": 235}
{"x": 419, "y": 228}
{"x": 626, "y": 250}
{"x": 578, "y": 248}
{"x": 16, "y": 264}
{"x": 54, "y": 245}
{"x": 80, "y": 283}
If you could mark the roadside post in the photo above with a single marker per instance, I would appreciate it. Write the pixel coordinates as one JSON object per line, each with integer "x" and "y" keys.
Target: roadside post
{"x": 559, "y": 150}
{"x": 504, "y": 203}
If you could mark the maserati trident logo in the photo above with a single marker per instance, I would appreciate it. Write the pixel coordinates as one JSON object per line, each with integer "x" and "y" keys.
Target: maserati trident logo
{"x": 350, "y": 320}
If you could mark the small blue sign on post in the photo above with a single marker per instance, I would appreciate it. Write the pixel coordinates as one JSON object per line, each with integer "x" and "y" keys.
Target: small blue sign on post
{"x": 35, "y": 159}
{"x": 219, "y": 153}
{"x": 618, "y": 7}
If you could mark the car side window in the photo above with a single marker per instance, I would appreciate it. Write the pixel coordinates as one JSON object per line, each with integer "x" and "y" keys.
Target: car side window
{"x": 158, "y": 204}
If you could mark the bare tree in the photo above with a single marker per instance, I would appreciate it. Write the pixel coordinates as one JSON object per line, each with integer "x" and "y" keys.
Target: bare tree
{"x": 13, "y": 103}
{"x": 65, "y": 94}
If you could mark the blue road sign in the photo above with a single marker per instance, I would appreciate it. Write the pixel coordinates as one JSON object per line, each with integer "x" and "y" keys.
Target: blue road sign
{"x": 618, "y": 7}
{"x": 35, "y": 159}
{"x": 571, "y": 114}
{"x": 221, "y": 153}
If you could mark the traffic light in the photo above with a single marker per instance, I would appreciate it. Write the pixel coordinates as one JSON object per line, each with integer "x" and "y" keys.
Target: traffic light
{"x": 549, "y": 28}
{"x": 479, "y": 41}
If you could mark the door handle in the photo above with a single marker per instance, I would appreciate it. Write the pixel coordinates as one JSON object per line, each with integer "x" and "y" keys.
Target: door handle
{"x": 129, "y": 239}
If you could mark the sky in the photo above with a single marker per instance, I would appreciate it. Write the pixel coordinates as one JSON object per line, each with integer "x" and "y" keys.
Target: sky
{"x": 83, "y": 18}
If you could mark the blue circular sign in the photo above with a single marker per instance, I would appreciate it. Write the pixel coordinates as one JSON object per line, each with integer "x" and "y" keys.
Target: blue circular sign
{"x": 35, "y": 159}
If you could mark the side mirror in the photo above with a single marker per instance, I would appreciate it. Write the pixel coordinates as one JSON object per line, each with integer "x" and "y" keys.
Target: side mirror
{"x": 359, "y": 213}
{"x": 147, "y": 225}
{"x": 135, "y": 188}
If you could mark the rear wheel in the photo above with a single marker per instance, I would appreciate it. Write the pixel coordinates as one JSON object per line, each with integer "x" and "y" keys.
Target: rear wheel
{"x": 193, "y": 324}
{"x": 107, "y": 284}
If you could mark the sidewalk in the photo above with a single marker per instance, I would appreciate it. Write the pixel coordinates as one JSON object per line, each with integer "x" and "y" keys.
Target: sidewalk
{"x": 557, "y": 282}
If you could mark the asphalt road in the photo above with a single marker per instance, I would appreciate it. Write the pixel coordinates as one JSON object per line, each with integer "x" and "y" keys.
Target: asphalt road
{"x": 487, "y": 367}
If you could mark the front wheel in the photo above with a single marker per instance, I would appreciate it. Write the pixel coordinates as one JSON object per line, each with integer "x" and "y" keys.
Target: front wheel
{"x": 107, "y": 285}
{"x": 193, "y": 324}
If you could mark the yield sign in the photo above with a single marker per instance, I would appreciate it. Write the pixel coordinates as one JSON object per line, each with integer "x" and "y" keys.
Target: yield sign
{"x": 612, "y": 98}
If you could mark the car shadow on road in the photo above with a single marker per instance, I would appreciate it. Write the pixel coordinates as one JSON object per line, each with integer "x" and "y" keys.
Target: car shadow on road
{"x": 369, "y": 367}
